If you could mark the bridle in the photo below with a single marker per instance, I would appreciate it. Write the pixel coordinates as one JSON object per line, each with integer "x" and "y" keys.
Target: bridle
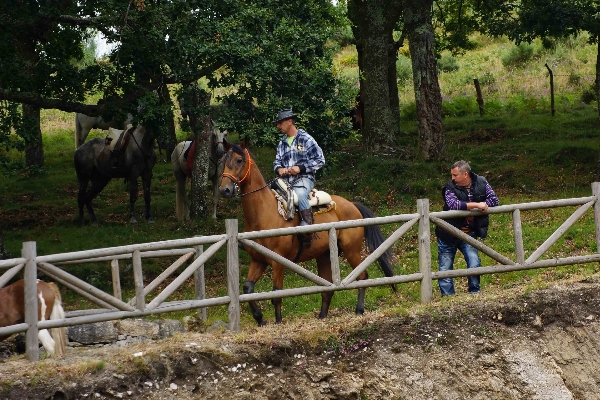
{"x": 238, "y": 182}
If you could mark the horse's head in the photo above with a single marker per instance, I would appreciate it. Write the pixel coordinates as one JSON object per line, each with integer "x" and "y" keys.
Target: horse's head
{"x": 236, "y": 169}
{"x": 219, "y": 136}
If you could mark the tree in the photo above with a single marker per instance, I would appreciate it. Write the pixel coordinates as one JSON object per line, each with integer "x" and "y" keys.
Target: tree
{"x": 421, "y": 39}
{"x": 373, "y": 24}
{"x": 267, "y": 51}
{"x": 268, "y": 54}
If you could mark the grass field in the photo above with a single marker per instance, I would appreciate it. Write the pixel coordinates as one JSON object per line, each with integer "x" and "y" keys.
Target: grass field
{"x": 525, "y": 153}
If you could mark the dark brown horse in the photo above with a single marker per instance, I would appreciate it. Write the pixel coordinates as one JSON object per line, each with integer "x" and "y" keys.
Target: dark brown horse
{"x": 260, "y": 213}
{"x": 12, "y": 311}
{"x": 97, "y": 163}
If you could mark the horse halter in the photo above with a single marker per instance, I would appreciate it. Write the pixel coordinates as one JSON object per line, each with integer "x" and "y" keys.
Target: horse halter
{"x": 237, "y": 182}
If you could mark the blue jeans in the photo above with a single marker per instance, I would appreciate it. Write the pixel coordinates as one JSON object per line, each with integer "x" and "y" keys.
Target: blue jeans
{"x": 446, "y": 254}
{"x": 302, "y": 187}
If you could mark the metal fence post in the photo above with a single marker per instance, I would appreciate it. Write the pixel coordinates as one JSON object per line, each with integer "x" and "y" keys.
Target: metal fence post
{"x": 233, "y": 273}
{"x": 596, "y": 192}
{"x": 425, "y": 250}
{"x": 31, "y": 302}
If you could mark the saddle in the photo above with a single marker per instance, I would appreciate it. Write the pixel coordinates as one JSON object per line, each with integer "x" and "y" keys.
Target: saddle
{"x": 287, "y": 200}
{"x": 115, "y": 141}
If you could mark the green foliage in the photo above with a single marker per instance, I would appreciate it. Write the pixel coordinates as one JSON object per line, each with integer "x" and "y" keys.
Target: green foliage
{"x": 447, "y": 63}
{"x": 403, "y": 70}
{"x": 518, "y": 55}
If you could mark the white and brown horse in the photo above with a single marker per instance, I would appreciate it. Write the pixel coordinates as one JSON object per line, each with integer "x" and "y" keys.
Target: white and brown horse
{"x": 12, "y": 311}
{"x": 182, "y": 163}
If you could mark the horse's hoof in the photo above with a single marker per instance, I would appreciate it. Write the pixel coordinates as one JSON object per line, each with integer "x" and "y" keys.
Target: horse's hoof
{"x": 150, "y": 221}
{"x": 262, "y": 323}
{"x": 95, "y": 224}
{"x": 133, "y": 221}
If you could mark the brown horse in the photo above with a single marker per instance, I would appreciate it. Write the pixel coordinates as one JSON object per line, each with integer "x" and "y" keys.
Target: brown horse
{"x": 12, "y": 311}
{"x": 260, "y": 213}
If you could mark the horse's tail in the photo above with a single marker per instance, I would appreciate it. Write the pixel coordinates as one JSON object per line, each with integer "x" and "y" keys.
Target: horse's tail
{"x": 374, "y": 238}
{"x": 58, "y": 334}
{"x": 77, "y": 131}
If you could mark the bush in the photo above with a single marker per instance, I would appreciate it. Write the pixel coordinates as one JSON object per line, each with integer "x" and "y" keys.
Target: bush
{"x": 447, "y": 63}
{"x": 517, "y": 55}
{"x": 403, "y": 69}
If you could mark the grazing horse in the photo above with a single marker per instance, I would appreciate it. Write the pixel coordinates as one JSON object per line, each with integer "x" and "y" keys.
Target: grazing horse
{"x": 84, "y": 124}
{"x": 260, "y": 208}
{"x": 181, "y": 164}
{"x": 12, "y": 311}
{"x": 97, "y": 162}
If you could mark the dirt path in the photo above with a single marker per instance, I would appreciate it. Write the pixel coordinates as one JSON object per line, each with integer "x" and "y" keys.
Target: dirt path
{"x": 540, "y": 345}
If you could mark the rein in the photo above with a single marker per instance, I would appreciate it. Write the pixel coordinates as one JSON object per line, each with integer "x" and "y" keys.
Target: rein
{"x": 146, "y": 156}
{"x": 237, "y": 182}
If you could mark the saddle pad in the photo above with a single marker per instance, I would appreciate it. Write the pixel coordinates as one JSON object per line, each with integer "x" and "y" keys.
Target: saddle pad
{"x": 315, "y": 197}
{"x": 112, "y": 138}
{"x": 189, "y": 158}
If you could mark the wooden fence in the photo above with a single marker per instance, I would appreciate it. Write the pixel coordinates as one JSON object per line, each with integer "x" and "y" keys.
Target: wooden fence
{"x": 113, "y": 307}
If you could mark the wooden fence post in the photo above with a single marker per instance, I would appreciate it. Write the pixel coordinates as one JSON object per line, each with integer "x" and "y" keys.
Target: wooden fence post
{"x": 31, "y": 302}
{"x": 200, "y": 283}
{"x": 596, "y": 192}
{"x": 518, "y": 235}
{"x": 479, "y": 96}
{"x": 425, "y": 250}
{"x": 551, "y": 89}
{"x": 116, "y": 278}
{"x": 233, "y": 273}
{"x": 138, "y": 280}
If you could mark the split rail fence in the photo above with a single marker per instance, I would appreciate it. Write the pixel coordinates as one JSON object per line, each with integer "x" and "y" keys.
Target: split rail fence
{"x": 112, "y": 306}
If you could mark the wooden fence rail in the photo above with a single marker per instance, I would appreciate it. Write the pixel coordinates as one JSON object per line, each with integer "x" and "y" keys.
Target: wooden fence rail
{"x": 114, "y": 307}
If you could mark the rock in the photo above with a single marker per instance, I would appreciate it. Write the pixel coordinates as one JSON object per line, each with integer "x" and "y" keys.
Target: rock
{"x": 168, "y": 327}
{"x": 138, "y": 327}
{"x": 98, "y": 332}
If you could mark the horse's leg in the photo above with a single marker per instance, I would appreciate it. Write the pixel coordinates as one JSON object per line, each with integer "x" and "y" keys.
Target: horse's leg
{"x": 324, "y": 267}
{"x": 133, "y": 193}
{"x": 352, "y": 254}
{"x": 180, "y": 196}
{"x": 97, "y": 186}
{"x": 215, "y": 196}
{"x": 255, "y": 272}
{"x": 81, "y": 198}
{"x": 146, "y": 180}
{"x": 277, "y": 271}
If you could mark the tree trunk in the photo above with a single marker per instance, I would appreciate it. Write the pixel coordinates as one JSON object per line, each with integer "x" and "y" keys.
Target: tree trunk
{"x": 168, "y": 142}
{"x": 428, "y": 97}
{"x": 373, "y": 23}
{"x": 31, "y": 132}
{"x": 201, "y": 126}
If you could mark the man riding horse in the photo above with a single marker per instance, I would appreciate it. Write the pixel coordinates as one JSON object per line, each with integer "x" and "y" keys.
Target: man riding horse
{"x": 298, "y": 158}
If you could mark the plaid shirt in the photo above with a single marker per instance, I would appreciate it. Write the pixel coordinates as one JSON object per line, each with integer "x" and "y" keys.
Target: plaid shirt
{"x": 454, "y": 204}
{"x": 304, "y": 152}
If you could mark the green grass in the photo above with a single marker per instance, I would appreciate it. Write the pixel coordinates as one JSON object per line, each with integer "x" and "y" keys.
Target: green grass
{"x": 526, "y": 154}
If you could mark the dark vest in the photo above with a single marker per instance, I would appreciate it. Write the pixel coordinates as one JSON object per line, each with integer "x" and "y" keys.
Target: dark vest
{"x": 480, "y": 224}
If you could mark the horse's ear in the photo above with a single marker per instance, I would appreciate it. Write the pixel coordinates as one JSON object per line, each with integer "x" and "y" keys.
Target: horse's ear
{"x": 244, "y": 143}
{"x": 226, "y": 145}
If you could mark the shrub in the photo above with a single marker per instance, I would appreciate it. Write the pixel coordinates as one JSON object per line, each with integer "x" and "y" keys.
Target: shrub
{"x": 403, "y": 69}
{"x": 517, "y": 55}
{"x": 447, "y": 63}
